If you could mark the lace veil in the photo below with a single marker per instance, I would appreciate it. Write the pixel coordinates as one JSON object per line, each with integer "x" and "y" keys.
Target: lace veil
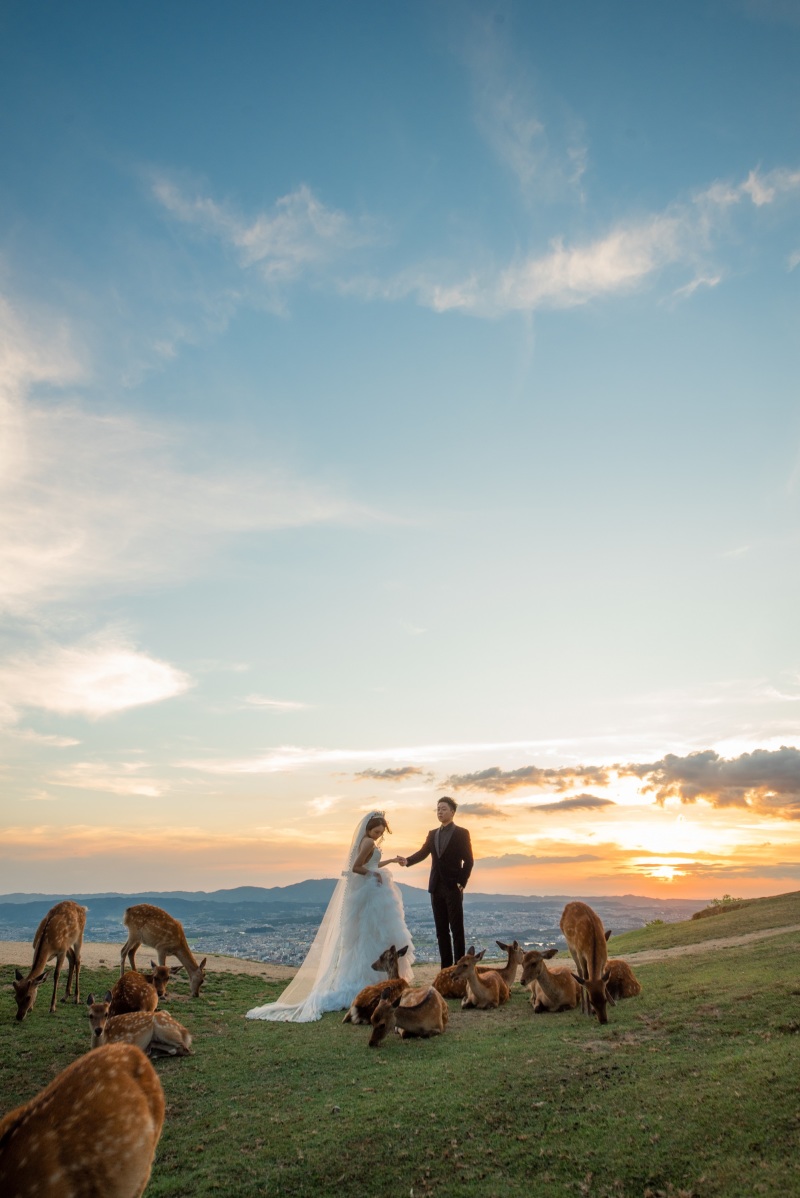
{"x": 301, "y": 1000}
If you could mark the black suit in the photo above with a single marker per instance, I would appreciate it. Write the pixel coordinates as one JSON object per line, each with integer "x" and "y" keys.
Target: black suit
{"x": 449, "y": 875}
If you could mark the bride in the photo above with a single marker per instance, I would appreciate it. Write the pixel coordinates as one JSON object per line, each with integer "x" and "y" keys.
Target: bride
{"x": 364, "y": 917}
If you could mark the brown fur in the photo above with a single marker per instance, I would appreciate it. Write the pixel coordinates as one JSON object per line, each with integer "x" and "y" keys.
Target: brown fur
{"x": 419, "y": 1012}
{"x": 155, "y": 1032}
{"x": 622, "y": 981}
{"x": 59, "y": 935}
{"x": 365, "y": 1002}
{"x": 450, "y": 987}
{"x": 132, "y": 992}
{"x": 551, "y": 989}
{"x": 92, "y": 1131}
{"x": 586, "y": 940}
{"x": 151, "y": 925}
{"x": 484, "y": 990}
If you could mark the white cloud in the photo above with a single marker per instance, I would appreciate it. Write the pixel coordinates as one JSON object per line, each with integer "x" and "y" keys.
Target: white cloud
{"x": 275, "y": 704}
{"x": 99, "y": 501}
{"x": 297, "y": 235}
{"x": 122, "y": 778}
{"x": 97, "y": 677}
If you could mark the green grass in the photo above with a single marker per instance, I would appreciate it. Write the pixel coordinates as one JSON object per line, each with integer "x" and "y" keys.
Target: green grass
{"x": 781, "y": 911}
{"x": 691, "y": 1089}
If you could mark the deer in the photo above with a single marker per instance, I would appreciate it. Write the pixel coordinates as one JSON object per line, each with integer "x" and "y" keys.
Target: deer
{"x": 551, "y": 989}
{"x": 160, "y": 977}
{"x": 414, "y": 1012}
{"x": 450, "y": 987}
{"x": 155, "y": 1032}
{"x": 622, "y": 981}
{"x": 152, "y": 925}
{"x": 586, "y": 940}
{"x": 132, "y": 992}
{"x": 92, "y": 1130}
{"x": 484, "y": 990}
{"x": 59, "y": 935}
{"x": 365, "y": 1002}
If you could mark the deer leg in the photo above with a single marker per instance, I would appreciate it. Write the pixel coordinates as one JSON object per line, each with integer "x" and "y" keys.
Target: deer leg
{"x": 70, "y": 973}
{"x": 56, "y": 974}
{"x": 123, "y": 952}
{"x": 132, "y": 951}
{"x": 162, "y": 956}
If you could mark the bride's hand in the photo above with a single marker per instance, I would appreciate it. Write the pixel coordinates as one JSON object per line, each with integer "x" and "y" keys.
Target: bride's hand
{"x": 378, "y": 878}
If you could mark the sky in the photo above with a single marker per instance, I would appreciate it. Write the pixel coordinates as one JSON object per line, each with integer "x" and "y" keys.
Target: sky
{"x": 396, "y": 401}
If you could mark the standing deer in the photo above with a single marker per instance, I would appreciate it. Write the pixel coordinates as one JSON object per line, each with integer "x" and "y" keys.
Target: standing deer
{"x": 155, "y": 1032}
{"x": 551, "y": 989}
{"x": 484, "y": 990}
{"x": 92, "y": 1131}
{"x": 365, "y": 1002}
{"x": 418, "y": 1012}
{"x": 59, "y": 935}
{"x": 151, "y": 925}
{"x": 451, "y": 987}
{"x": 586, "y": 941}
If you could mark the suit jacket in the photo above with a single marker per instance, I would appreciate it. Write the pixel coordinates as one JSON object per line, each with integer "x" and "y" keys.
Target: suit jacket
{"x": 455, "y": 864}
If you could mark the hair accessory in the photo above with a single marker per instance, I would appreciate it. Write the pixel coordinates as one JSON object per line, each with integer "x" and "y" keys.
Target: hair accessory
{"x": 373, "y": 814}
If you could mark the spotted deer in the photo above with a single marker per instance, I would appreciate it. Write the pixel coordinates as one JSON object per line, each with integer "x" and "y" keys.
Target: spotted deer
{"x": 365, "y": 1002}
{"x": 450, "y": 987}
{"x": 418, "y": 1012}
{"x": 586, "y": 940}
{"x": 551, "y": 989}
{"x": 93, "y": 1130}
{"x": 622, "y": 981}
{"x": 484, "y": 990}
{"x": 155, "y": 1032}
{"x": 151, "y": 925}
{"x": 132, "y": 992}
{"x": 59, "y": 935}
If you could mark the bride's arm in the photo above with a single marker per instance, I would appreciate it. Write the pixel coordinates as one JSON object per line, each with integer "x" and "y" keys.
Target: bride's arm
{"x": 364, "y": 854}
{"x": 391, "y": 861}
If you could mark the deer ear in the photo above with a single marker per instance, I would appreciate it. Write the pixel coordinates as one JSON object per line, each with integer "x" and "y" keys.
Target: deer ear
{"x": 471, "y": 951}
{"x": 500, "y": 944}
{"x": 107, "y": 996}
{"x": 203, "y": 963}
{"x": 175, "y": 968}
{"x": 608, "y": 934}
{"x": 481, "y": 955}
{"x": 396, "y": 1001}
{"x": 19, "y": 975}
{"x": 550, "y": 952}
{"x": 580, "y": 981}
{"x": 402, "y": 951}
{"x": 38, "y": 981}
{"x": 606, "y": 976}
{"x": 90, "y": 1000}
{"x": 153, "y": 964}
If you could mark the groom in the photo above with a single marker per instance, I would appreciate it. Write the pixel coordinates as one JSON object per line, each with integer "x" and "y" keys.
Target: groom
{"x": 450, "y": 851}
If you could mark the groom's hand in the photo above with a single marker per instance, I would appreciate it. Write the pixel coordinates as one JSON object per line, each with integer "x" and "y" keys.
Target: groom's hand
{"x": 402, "y": 861}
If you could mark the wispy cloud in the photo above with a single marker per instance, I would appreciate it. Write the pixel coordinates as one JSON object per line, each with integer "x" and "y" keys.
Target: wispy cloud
{"x": 483, "y": 810}
{"x": 99, "y": 676}
{"x": 496, "y": 781}
{"x": 101, "y": 500}
{"x": 514, "y": 860}
{"x": 297, "y": 236}
{"x": 400, "y": 774}
{"x": 576, "y": 803}
{"x": 131, "y": 778}
{"x": 275, "y": 704}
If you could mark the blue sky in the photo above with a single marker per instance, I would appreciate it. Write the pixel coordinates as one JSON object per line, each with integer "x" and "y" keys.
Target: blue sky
{"x": 401, "y": 390}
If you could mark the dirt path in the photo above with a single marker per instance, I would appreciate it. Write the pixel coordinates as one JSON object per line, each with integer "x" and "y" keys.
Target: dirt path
{"x": 96, "y": 955}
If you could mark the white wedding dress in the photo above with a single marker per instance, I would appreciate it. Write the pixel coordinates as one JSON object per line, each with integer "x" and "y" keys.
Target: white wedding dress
{"x": 364, "y": 917}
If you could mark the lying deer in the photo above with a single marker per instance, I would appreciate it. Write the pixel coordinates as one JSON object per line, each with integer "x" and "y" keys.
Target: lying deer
{"x": 450, "y": 987}
{"x": 622, "y": 981}
{"x": 59, "y": 935}
{"x": 586, "y": 941}
{"x": 365, "y": 1002}
{"x": 551, "y": 989}
{"x": 484, "y": 990}
{"x": 418, "y": 1012}
{"x": 93, "y": 1130}
{"x": 155, "y": 1032}
{"x": 132, "y": 992}
{"x": 151, "y": 925}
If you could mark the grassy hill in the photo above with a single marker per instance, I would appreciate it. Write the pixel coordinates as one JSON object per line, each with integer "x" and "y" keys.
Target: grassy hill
{"x": 690, "y": 1091}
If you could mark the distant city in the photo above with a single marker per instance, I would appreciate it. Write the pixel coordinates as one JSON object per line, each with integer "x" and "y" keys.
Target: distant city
{"x": 277, "y": 924}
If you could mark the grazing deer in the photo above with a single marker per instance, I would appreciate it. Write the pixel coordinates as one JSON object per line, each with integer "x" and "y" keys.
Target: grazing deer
{"x": 622, "y": 981}
{"x": 151, "y": 925}
{"x": 418, "y": 1012}
{"x": 365, "y": 1002}
{"x": 155, "y": 1032}
{"x": 586, "y": 941}
{"x": 551, "y": 989}
{"x": 450, "y": 987}
{"x": 92, "y": 1131}
{"x": 132, "y": 992}
{"x": 59, "y": 935}
{"x": 484, "y": 990}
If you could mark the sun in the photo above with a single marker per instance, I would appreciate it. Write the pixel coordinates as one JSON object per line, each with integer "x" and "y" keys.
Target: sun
{"x": 667, "y": 873}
